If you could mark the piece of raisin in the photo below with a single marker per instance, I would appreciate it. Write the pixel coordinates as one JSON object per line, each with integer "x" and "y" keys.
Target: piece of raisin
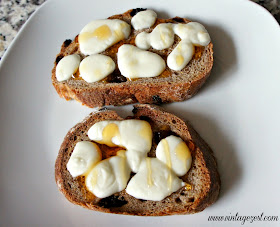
{"x": 158, "y": 136}
{"x": 157, "y": 99}
{"x": 116, "y": 78}
{"x": 58, "y": 58}
{"x": 135, "y": 109}
{"x": 137, "y": 10}
{"x": 178, "y": 19}
{"x": 112, "y": 201}
{"x": 67, "y": 42}
{"x": 145, "y": 118}
{"x": 191, "y": 200}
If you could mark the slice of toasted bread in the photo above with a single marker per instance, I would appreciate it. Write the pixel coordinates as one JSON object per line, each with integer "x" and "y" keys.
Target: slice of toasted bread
{"x": 115, "y": 89}
{"x": 202, "y": 177}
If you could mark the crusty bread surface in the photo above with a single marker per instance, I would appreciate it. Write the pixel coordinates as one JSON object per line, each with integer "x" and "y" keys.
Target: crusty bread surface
{"x": 203, "y": 177}
{"x": 115, "y": 89}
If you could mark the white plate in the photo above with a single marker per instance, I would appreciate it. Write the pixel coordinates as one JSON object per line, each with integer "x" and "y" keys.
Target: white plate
{"x": 236, "y": 112}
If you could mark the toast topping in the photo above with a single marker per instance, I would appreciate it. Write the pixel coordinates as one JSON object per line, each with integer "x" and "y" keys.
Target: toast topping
{"x": 162, "y": 37}
{"x": 67, "y": 66}
{"x": 109, "y": 176}
{"x": 134, "y": 62}
{"x": 155, "y": 178}
{"x": 96, "y": 67}
{"x": 109, "y": 132}
{"x": 174, "y": 152}
{"x": 103, "y": 32}
{"x": 127, "y": 133}
{"x": 84, "y": 157}
{"x": 144, "y": 19}
{"x": 134, "y": 159}
{"x": 180, "y": 56}
{"x": 154, "y": 181}
{"x": 98, "y": 35}
{"x": 193, "y": 32}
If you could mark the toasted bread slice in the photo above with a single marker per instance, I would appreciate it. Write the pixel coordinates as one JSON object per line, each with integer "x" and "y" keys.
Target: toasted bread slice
{"x": 115, "y": 89}
{"x": 202, "y": 177}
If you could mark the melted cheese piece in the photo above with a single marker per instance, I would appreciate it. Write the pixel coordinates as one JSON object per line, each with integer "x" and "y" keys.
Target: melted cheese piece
{"x": 96, "y": 67}
{"x": 144, "y": 19}
{"x": 193, "y": 32}
{"x": 131, "y": 134}
{"x": 67, "y": 66}
{"x": 162, "y": 37}
{"x": 134, "y": 159}
{"x": 135, "y": 63}
{"x": 180, "y": 56}
{"x": 174, "y": 152}
{"x": 98, "y": 35}
{"x": 85, "y": 155}
{"x": 152, "y": 182}
{"x": 109, "y": 176}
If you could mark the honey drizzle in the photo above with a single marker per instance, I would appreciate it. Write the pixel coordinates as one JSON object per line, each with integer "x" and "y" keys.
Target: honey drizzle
{"x": 121, "y": 154}
{"x": 103, "y": 32}
{"x": 168, "y": 161}
{"x": 146, "y": 132}
{"x": 111, "y": 130}
{"x": 182, "y": 151}
{"x": 149, "y": 172}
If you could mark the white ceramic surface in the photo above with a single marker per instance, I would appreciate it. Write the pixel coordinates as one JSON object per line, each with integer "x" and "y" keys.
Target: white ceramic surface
{"x": 236, "y": 112}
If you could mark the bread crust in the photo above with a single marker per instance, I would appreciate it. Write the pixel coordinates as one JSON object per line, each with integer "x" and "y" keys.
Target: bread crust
{"x": 170, "y": 86}
{"x": 203, "y": 175}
